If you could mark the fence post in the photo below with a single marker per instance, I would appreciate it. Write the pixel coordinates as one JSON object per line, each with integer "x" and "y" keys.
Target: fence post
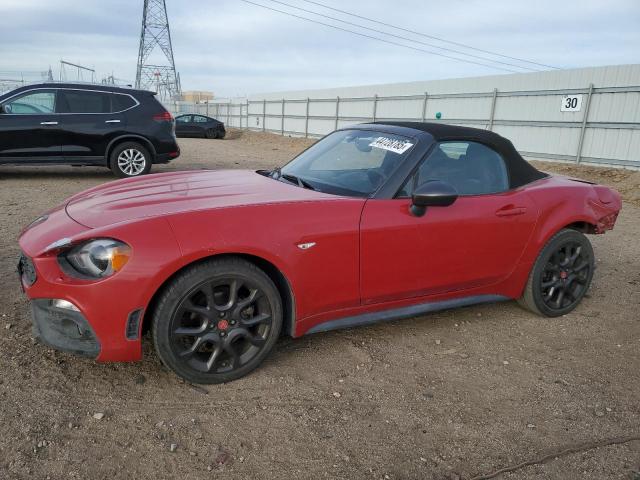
{"x": 282, "y": 122}
{"x": 375, "y": 106}
{"x": 228, "y": 112}
{"x": 247, "y": 114}
{"x": 337, "y": 112}
{"x": 583, "y": 128}
{"x": 306, "y": 121}
{"x": 207, "y": 107}
{"x": 424, "y": 107}
{"x": 493, "y": 108}
{"x": 264, "y": 114}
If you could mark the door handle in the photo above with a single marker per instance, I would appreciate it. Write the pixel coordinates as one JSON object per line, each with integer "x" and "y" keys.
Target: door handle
{"x": 48, "y": 123}
{"x": 510, "y": 211}
{"x": 112, "y": 121}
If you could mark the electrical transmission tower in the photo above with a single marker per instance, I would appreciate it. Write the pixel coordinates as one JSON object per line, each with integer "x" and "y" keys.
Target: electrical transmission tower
{"x": 157, "y": 75}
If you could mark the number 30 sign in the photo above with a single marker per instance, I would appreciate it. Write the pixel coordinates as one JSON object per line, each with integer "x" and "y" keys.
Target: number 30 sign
{"x": 571, "y": 103}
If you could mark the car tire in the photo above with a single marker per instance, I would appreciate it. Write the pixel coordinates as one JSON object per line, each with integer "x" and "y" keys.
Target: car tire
{"x": 561, "y": 275}
{"x": 205, "y": 333}
{"x": 130, "y": 159}
{"x": 210, "y": 133}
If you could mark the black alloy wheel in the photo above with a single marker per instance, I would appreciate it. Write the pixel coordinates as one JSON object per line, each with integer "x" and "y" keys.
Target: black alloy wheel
{"x": 217, "y": 321}
{"x": 561, "y": 275}
{"x": 210, "y": 133}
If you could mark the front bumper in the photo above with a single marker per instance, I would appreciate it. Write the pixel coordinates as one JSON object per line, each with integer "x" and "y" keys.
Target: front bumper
{"x": 63, "y": 329}
{"x": 167, "y": 157}
{"x": 110, "y": 310}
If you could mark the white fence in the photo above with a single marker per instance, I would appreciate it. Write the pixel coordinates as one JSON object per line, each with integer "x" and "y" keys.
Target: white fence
{"x": 596, "y": 125}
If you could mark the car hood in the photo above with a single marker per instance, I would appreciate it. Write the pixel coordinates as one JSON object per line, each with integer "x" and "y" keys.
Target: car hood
{"x": 171, "y": 193}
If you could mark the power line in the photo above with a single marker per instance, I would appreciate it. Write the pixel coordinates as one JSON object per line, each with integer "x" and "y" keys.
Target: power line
{"x": 378, "y": 38}
{"x": 430, "y": 36}
{"x": 405, "y": 38}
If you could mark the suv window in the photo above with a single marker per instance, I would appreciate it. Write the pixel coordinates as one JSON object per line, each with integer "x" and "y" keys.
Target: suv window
{"x": 32, "y": 103}
{"x": 120, "y": 102}
{"x": 472, "y": 168}
{"x": 81, "y": 101}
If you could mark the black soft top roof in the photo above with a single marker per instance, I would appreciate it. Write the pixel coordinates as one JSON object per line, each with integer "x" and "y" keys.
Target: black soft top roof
{"x": 520, "y": 171}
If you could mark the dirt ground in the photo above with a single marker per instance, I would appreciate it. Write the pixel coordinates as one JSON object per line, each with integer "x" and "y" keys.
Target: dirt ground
{"x": 451, "y": 395}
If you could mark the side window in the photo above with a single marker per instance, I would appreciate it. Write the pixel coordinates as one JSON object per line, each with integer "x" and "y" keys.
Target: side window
{"x": 121, "y": 102}
{"x": 183, "y": 119}
{"x": 472, "y": 168}
{"x": 81, "y": 101}
{"x": 32, "y": 103}
{"x": 200, "y": 119}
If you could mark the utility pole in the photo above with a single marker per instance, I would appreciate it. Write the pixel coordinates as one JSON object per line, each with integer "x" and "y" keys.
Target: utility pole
{"x": 160, "y": 76}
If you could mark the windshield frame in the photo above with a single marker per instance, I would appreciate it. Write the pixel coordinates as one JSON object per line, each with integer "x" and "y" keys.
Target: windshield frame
{"x": 422, "y": 141}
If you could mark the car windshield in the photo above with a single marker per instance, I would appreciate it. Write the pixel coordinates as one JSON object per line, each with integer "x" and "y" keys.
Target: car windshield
{"x": 347, "y": 162}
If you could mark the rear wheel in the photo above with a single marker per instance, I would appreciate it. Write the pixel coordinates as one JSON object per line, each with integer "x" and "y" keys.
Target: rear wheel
{"x": 210, "y": 133}
{"x": 561, "y": 275}
{"x": 217, "y": 321}
{"x": 130, "y": 159}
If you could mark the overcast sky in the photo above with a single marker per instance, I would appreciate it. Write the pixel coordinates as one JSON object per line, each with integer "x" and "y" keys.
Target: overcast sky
{"x": 234, "y": 48}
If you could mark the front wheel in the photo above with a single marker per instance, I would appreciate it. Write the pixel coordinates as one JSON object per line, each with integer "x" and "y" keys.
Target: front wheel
{"x": 130, "y": 159}
{"x": 561, "y": 275}
{"x": 217, "y": 321}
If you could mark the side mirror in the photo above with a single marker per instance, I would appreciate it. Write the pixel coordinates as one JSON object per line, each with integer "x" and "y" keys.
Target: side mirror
{"x": 434, "y": 193}
{"x": 363, "y": 144}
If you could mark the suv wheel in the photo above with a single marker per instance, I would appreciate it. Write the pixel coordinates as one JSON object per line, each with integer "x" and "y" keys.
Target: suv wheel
{"x": 130, "y": 159}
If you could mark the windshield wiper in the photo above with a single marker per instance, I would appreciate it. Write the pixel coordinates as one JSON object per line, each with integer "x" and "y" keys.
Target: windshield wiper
{"x": 276, "y": 173}
{"x": 297, "y": 180}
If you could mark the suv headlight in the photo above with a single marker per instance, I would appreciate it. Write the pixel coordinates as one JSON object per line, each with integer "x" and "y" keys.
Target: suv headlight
{"x": 98, "y": 258}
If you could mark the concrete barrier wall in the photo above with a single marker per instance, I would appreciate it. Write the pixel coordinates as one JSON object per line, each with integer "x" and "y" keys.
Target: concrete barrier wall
{"x": 600, "y": 124}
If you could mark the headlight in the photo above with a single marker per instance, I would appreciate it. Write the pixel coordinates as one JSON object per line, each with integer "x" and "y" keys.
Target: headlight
{"x": 98, "y": 258}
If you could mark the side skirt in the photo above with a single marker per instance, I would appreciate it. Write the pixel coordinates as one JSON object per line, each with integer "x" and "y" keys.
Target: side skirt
{"x": 47, "y": 161}
{"x": 403, "y": 312}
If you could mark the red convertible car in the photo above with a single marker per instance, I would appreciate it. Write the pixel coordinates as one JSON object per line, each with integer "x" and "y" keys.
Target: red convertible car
{"x": 374, "y": 222}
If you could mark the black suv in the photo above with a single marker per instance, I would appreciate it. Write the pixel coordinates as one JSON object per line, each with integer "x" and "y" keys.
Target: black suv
{"x": 78, "y": 124}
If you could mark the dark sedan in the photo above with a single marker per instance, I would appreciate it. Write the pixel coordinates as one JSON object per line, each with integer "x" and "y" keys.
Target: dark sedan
{"x": 199, "y": 126}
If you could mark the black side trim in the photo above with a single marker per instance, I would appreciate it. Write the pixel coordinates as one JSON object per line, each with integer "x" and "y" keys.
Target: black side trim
{"x": 133, "y": 325}
{"x": 404, "y": 312}
{"x": 131, "y": 137}
{"x": 46, "y": 161}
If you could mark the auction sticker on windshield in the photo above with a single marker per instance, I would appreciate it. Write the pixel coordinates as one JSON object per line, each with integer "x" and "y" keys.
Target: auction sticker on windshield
{"x": 392, "y": 145}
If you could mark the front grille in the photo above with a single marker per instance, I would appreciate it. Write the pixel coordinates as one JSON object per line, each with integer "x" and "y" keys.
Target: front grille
{"x": 27, "y": 270}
